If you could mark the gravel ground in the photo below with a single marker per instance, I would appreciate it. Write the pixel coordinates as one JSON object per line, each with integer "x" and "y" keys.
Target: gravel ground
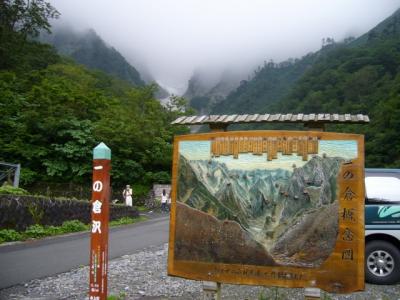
{"x": 142, "y": 275}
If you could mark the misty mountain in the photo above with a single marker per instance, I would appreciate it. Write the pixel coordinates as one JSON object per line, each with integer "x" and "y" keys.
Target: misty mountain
{"x": 355, "y": 76}
{"x": 388, "y": 28}
{"x": 89, "y": 49}
{"x": 269, "y": 84}
{"x": 273, "y": 83}
{"x": 358, "y": 79}
{"x": 205, "y": 91}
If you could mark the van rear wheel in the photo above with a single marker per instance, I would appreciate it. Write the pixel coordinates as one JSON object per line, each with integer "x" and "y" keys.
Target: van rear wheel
{"x": 382, "y": 262}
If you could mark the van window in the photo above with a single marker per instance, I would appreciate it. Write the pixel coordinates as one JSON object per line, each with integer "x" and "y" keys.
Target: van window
{"x": 382, "y": 189}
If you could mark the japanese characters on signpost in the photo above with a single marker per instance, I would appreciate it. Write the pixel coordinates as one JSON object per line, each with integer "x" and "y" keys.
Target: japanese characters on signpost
{"x": 99, "y": 216}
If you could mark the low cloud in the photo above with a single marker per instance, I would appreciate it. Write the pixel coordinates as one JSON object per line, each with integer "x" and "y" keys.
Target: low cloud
{"x": 171, "y": 38}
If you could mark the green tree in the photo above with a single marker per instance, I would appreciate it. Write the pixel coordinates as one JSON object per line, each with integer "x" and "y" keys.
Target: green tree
{"x": 20, "y": 19}
{"x": 26, "y": 17}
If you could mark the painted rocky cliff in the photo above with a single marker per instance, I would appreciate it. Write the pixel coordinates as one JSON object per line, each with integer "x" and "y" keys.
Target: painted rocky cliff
{"x": 202, "y": 237}
{"x": 291, "y": 214}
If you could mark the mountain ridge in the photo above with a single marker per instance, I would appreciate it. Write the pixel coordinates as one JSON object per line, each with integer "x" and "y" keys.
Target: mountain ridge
{"x": 89, "y": 49}
{"x": 354, "y": 76}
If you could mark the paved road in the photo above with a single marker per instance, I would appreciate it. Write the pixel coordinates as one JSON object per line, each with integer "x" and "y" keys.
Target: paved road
{"x": 41, "y": 258}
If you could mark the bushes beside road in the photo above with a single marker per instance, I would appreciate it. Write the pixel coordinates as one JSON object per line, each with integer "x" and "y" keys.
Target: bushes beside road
{"x": 39, "y": 231}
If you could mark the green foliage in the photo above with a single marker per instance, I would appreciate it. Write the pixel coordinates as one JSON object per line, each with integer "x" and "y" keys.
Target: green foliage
{"x": 10, "y": 190}
{"x": 142, "y": 208}
{"x": 54, "y": 230}
{"x": 9, "y": 235}
{"x": 126, "y": 221}
{"x": 120, "y": 296}
{"x": 20, "y": 19}
{"x": 89, "y": 49}
{"x": 55, "y": 112}
{"x": 73, "y": 226}
{"x": 35, "y": 231}
{"x": 159, "y": 177}
{"x": 269, "y": 84}
{"x": 40, "y": 231}
{"x": 36, "y": 212}
{"x": 26, "y": 17}
{"x": 140, "y": 190}
{"x": 357, "y": 80}
{"x": 53, "y": 117}
{"x": 27, "y": 176}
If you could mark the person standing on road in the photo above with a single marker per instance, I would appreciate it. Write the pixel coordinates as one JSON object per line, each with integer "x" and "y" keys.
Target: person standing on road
{"x": 169, "y": 201}
{"x": 127, "y": 193}
{"x": 164, "y": 199}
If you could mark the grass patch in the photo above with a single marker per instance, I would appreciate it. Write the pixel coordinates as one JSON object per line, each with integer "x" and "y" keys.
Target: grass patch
{"x": 142, "y": 208}
{"x": 10, "y": 190}
{"x": 127, "y": 220}
{"x": 38, "y": 231}
{"x": 121, "y": 296}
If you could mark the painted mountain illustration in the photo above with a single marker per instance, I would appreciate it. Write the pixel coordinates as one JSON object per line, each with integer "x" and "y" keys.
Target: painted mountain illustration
{"x": 268, "y": 207}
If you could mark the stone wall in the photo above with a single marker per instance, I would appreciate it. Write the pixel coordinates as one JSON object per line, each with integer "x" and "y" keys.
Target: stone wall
{"x": 19, "y": 212}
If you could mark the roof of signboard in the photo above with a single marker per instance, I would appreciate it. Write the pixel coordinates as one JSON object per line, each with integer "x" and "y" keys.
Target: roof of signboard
{"x": 272, "y": 118}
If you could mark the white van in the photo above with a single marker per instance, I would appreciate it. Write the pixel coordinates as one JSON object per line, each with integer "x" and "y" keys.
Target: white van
{"x": 382, "y": 226}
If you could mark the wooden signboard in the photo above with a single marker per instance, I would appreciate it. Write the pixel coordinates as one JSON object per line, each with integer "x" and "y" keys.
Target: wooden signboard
{"x": 100, "y": 216}
{"x": 280, "y": 208}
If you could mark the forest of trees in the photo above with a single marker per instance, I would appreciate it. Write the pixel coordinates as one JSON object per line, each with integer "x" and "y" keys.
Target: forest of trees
{"x": 355, "y": 76}
{"x": 54, "y": 112}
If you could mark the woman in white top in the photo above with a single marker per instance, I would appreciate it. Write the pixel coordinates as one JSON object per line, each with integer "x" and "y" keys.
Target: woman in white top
{"x": 164, "y": 199}
{"x": 127, "y": 193}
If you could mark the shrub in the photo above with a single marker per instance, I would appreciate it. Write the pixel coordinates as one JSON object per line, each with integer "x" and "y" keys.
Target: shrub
{"x": 10, "y": 190}
{"x": 73, "y": 226}
{"x": 54, "y": 230}
{"x": 122, "y": 221}
{"x": 35, "y": 231}
{"x": 159, "y": 177}
{"x": 140, "y": 191}
{"x": 9, "y": 235}
{"x": 36, "y": 212}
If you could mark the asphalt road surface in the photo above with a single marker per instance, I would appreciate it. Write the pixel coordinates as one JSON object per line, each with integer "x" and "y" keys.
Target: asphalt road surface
{"x": 41, "y": 258}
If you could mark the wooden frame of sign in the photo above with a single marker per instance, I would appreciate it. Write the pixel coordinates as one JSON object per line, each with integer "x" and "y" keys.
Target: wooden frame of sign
{"x": 274, "y": 208}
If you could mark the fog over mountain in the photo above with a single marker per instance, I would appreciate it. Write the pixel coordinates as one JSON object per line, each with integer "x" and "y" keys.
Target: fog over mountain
{"x": 171, "y": 39}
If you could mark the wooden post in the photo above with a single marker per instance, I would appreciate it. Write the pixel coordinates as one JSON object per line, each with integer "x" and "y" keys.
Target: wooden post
{"x": 100, "y": 217}
{"x": 212, "y": 290}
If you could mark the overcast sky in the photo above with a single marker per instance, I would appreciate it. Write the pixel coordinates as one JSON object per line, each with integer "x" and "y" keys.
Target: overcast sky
{"x": 171, "y": 38}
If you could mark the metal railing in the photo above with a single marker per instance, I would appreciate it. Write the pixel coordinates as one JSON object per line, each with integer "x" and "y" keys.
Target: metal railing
{"x": 7, "y": 170}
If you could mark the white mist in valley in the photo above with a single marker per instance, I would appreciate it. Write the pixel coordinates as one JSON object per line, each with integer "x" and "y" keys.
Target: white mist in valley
{"x": 171, "y": 39}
